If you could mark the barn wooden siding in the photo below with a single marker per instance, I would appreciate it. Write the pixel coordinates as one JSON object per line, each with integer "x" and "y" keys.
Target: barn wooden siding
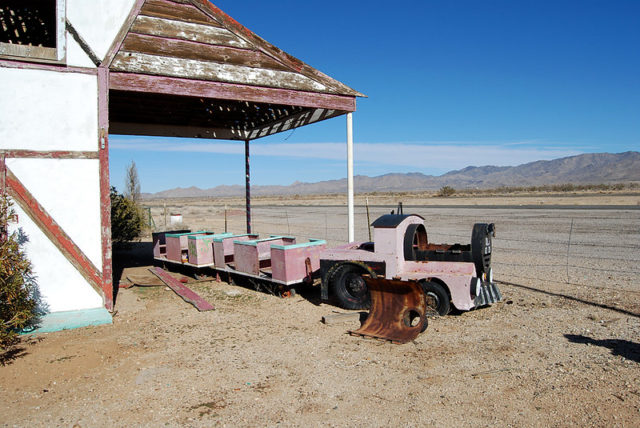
{"x": 187, "y": 56}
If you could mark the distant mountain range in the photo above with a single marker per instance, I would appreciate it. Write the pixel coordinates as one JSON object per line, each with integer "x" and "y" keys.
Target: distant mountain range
{"x": 592, "y": 168}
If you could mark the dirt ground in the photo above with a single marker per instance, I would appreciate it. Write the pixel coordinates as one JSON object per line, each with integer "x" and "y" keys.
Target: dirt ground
{"x": 562, "y": 349}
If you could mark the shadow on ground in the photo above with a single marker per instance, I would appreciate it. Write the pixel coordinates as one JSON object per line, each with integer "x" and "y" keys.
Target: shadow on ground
{"x": 624, "y": 348}
{"x": 13, "y": 353}
{"x": 573, "y": 298}
{"x": 133, "y": 254}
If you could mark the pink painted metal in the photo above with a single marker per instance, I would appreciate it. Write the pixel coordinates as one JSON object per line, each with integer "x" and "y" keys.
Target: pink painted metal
{"x": 294, "y": 263}
{"x": 200, "y": 249}
{"x": 223, "y": 248}
{"x": 160, "y": 244}
{"x": 178, "y": 245}
{"x": 251, "y": 256}
{"x": 400, "y": 251}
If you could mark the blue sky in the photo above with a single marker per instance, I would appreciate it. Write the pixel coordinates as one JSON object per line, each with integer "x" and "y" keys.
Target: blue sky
{"x": 449, "y": 84}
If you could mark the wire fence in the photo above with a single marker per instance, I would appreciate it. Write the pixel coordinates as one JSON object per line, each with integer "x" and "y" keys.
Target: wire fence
{"x": 581, "y": 247}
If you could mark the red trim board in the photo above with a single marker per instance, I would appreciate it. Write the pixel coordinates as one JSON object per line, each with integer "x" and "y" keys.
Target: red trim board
{"x": 182, "y": 290}
{"x": 105, "y": 198}
{"x": 53, "y": 231}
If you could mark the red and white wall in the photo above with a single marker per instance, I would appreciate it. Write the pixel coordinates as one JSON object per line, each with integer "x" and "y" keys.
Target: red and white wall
{"x": 54, "y": 164}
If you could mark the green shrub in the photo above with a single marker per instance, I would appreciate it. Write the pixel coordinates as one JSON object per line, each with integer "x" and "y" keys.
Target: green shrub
{"x": 18, "y": 288}
{"x": 446, "y": 191}
{"x": 127, "y": 218}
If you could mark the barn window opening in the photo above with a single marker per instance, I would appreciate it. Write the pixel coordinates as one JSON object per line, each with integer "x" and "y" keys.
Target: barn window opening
{"x": 32, "y": 29}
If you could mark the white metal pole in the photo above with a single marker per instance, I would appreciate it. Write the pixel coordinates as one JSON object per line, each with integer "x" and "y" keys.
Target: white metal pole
{"x": 350, "y": 176}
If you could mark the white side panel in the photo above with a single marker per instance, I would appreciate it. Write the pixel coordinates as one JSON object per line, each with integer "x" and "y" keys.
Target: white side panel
{"x": 61, "y": 285}
{"x": 47, "y": 110}
{"x": 98, "y": 21}
{"x": 76, "y": 57}
{"x": 69, "y": 190}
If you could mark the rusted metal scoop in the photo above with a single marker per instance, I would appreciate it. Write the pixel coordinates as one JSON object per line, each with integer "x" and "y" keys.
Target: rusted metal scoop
{"x": 397, "y": 311}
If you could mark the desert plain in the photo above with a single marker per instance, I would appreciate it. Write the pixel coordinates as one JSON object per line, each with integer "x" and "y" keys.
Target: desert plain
{"x": 561, "y": 349}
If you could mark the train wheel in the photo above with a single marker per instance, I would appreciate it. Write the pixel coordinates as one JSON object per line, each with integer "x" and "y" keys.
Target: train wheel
{"x": 349, "y": 287}
{"x": 436, "y": 297}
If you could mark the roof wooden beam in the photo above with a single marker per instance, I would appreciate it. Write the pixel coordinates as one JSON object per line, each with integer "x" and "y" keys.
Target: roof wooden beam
{"x": 229, "y": 91}
{"x": 161, "y": 130}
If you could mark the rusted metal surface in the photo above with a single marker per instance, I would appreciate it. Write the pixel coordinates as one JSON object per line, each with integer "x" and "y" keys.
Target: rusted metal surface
{"x": 182, "y": 290}
{"x": 397, "y": 311}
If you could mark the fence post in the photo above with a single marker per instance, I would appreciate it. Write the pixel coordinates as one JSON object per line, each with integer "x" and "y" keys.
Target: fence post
{"x": 568, "y": 248}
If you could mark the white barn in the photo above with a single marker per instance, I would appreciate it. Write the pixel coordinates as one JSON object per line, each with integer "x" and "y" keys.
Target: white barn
{"x": 74, "y": 71}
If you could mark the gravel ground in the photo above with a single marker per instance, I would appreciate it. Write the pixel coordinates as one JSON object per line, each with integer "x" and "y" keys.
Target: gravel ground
{"x": 563, "y": 348}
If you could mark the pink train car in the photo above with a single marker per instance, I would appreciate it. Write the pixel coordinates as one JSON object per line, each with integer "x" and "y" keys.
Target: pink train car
{"x": 251, "y": 256}
{"x": 178, "y": 245}
{"x": 223, "y": 248}
{"x": 201, "y": 248}
{"x": 293, "y": 263}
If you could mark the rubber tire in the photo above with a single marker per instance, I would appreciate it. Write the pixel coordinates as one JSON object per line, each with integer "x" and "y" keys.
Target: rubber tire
{"x": 341, "y": 283}
{"x": 437, "y": 292}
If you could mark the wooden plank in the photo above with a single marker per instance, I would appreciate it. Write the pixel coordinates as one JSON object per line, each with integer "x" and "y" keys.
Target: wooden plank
{"x": 273, "y": 51}
{"x": 29, "y": 52}
{"x": 49, "y": 154}
{"x": 294, "y": 121}
{"x": 182, "y": 290}
{"x": 228, "y": 91}
{"x": 177, "y": 11}
{"x": 187, "y": 31}
{"x": 105, "y": 186}
{"x": 160, "y": 130}
{"x": 53, "y": 231}
{"x": 57, "y": 68}
{"x": 161, "y": 46}
{"x": 203, "y": 70}
{"x": 341, "y": 318}
{"x": 3, "y": 173}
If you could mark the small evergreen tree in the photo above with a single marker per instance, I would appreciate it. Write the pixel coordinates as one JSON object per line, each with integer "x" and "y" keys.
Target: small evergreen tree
{"x": 127, "y": 220}
{"x": 18, "y": 288}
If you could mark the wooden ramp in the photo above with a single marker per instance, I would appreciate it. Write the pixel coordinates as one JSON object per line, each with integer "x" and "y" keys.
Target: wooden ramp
{"x": 182, "y": 290}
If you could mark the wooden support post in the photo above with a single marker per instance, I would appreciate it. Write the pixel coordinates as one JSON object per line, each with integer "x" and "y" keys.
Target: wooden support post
{"x": 350, "y": 176}
{"x": 247, "y": 184}
{"x": 105, "y": 194}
